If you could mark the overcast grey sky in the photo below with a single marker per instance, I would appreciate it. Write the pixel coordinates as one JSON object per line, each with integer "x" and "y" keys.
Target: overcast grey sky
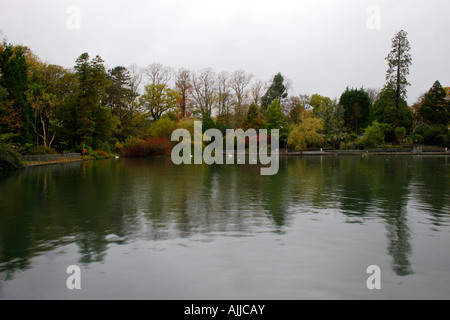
{"x": 320, "y": 46}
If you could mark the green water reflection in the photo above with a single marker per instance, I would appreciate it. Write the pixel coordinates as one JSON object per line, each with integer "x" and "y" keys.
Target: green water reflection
{"x": 95, "y": 204}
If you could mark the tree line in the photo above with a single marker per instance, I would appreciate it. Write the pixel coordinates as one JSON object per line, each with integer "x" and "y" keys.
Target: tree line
{"x": 45, "y": 107}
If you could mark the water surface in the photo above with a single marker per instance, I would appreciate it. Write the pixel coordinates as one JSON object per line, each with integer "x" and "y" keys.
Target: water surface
{"x": 147, "y": 229}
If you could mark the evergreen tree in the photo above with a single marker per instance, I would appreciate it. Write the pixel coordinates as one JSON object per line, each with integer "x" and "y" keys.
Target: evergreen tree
{"x": 208, "y": 122}
{"x": 275, "y": 119}
{"x": 119, "y": 99}
{"x": 92, "y": 120}
{"x": 385, "y": 111}
{"x": 276, "y": 91}
{"x": 254, "y": 119}
{"x": 357, "y": 109}
{"x": 435, "y": 109}
{"x": 399, "y": 60}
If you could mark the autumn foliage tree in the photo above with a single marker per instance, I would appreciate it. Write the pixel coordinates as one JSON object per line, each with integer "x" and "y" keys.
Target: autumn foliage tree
{"x": 10, "y": 118}
{"x": 158, "y": 99}
{"x": 184, "y": 86}
{"x": 308, "y": 133}
{"x": 14, "y": 78}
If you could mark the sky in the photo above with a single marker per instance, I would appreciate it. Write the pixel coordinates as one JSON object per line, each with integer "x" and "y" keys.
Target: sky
{"x": 320, "y": 46}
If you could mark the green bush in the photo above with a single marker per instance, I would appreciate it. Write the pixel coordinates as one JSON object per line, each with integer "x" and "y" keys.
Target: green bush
{"x": 434, "y": 136}
{"x": 10, "y": 159}
{"x": 41, "y": 150}
{"x": 400, "y": 133}
{"x": 163, "y": 128}
{"x": 421, "y": 129}
{"x": 104, "y": 146}
{"x": 118, "y": 147}
{"x": 417, "y": 139}
{"x": 353, "y": 137}
{"x": 373, "y": 136}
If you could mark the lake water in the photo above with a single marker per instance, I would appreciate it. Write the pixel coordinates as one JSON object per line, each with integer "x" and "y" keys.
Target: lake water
{"x": 147, "y": 229}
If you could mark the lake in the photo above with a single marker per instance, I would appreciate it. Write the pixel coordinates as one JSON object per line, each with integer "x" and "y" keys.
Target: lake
{"x": 148, "y": 229}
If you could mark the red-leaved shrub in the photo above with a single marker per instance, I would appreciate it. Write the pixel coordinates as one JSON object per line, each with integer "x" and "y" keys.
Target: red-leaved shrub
{"x": 148, "y": 147}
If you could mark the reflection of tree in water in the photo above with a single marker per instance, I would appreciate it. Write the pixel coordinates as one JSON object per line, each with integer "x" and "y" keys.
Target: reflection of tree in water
{"x": 92, "y": 247}
{"x": 397, "y": 178}
{"x": 433, "y": 192}
{"x": 275, "y": 201}
{"x": 131, "y": 199}
{"x": 47, "y": 207}
{"x": 382, "y": 184}
{"x": 357, "y": 186}
{"x": 379, "y": 185}
{"x": 399, "y": 246}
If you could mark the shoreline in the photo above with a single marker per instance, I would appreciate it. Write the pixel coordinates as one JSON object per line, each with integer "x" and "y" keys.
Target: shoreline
{"x": 365, "y": 152}
{"x": 29, "y": 164}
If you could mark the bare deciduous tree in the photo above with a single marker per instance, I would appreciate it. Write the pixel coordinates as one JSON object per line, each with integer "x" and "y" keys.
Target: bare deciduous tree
{"x": 373, "y": 94}
{"x": 257, "y": 91}
{"x": 204, "y": 90}
{"x": 158, "y": 74}
{"x": 239, "y": 82}
{"x": 224, "y": 95}
{"x": 136, "y": 78}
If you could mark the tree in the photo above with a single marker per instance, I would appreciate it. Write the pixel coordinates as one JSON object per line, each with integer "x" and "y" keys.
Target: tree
{"x": 399, "y": 60}
{"x": 158, "y": 99}
{"x": 307, "y": 133}
{"x": 238, "y": 82}
{"x": 136, "y": 78}
{"x": 332, "y": 114}
{"x": 92, "y": 121}
{"x": 400, "y": 133}
{"x": 254, "y": 119}
{"x": 207, "y": 122}
{"x": 373, "y": 94}
{"x": 357, "y": 109}
{"x": 275, "y": 119}
{"x": 14, "y": 78}
{"x": 158, "y": 74}
{"x": 257, "y": 89}
{"x": 184, "y": 86}
{"x": 277, "y": 90}
{"x": 415, "y": 109}
{"x": 385, "y": 111}
{"x": 374, "y": 135}
{"x": 297, "y": 108}
{"x": 42, "y": 103}
{"x": 10, "y": 119}
{"x": 119, "y": 99}
{"x": 204, "y": 91}
{"x": 119, "y": 93}
{"x": 224, "y": 98}
{"x": 435, "y": 109}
